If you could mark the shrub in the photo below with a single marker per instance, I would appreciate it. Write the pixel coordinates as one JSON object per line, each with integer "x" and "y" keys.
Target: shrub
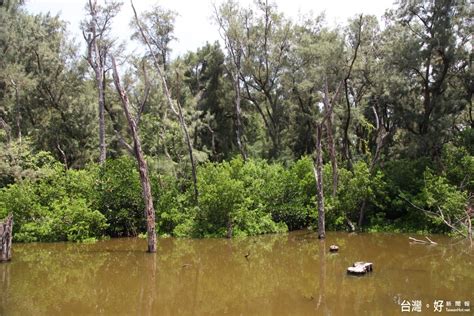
{"x": 120, "y": 197}
{"x": 55, "y": 207}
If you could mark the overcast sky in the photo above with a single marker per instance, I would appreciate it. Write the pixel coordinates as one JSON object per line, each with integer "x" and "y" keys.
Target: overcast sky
{"x": 194, "y": 24}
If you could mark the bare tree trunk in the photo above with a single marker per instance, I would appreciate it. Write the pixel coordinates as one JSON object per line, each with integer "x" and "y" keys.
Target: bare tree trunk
{"x": 469, "y": 211}
{"x": 318, "y": 174}
{"x": 18, "y": 114}
{"x": 332, "y": 154}
{"x": 6, "y": 234}
{"x": 230, "y": 226}
{"x": 95, "y": 61}
{"x": 100, "y": 87}
{"x": 347, "y": 149}
{"x": 177, "y": 112}
{"x": 142, "y": 165}
{"x": 238, "y": 114}
{"x": 328, "y": 108}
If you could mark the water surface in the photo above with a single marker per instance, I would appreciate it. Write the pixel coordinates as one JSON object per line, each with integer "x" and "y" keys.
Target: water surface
{"x": 286, "y": 274}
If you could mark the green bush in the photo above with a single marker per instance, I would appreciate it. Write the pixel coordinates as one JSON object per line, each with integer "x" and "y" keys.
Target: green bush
{"x": 120, "y": 197}
{"x": 291, "y": 195}
{"x": 255, "y": 196}
{"x": 54, "y": 207}
{"x": 235, "y": 192}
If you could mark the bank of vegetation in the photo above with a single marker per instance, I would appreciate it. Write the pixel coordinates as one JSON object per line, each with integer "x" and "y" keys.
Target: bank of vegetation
{"x": 284, "y": 125}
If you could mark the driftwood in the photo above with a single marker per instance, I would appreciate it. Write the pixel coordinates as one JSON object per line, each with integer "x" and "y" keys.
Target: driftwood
{"x": 428, "y": 241}
{"x": 6, "y": 228}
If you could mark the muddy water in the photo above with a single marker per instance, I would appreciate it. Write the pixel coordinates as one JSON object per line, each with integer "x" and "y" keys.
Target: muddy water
{"x": 287, "y": 274}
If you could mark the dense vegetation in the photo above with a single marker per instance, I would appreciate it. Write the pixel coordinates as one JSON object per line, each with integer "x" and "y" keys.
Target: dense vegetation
{"x": 386, "y": 108}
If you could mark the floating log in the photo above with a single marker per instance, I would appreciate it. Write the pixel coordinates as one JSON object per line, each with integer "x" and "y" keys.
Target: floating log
{"x": 6, "y": 228}
{"x": 423, "y": 241}
{"x": 333, "y": 248}
{"x": 360, "y": 268}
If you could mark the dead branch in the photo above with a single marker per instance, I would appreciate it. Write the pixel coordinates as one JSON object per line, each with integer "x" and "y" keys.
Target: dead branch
{"x": 430, "y": 242}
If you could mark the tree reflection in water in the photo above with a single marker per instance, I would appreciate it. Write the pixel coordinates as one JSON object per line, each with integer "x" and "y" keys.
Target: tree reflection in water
{"x": 284, "y": 274}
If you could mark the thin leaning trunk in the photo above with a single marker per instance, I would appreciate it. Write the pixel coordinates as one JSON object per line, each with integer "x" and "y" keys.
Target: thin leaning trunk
{"x": 178, "y": 112}
{"x": 142, "y": 165}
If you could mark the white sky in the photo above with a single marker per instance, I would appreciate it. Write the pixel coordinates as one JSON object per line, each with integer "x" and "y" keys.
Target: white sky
{"x": 194, "y": 24}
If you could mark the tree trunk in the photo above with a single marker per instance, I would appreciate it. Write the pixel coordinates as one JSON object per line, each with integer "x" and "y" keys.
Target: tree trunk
{"x": 332, "y": 154}
{"x": 238, "y": 122}
{"x": 230, "y": 226}
{"x": 100, "y": 87}
{"x": 362, "y": 213}
{"x": 6, "y": 234}
{"x": 97, "y": 64}
{"x": 142, "y": 165}
{"x": 190, "y": 149}
{"x": 177, "y": 112}
{"x": 328, "y": 110}
{"x": 318, "y": 174}
{"x": 347, "y": 145}
{"x": 18, "y": 114}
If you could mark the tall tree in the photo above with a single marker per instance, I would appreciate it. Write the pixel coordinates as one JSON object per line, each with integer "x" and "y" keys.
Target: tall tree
{"x": 174, "y": 106}
{"x": 266, "y": 46}
{"x": 427, "y": 48}
{"x": 158, "y": 24}
{"x": 139, "y": 156}
{"x": 228, "y": 17}
{"x": 96, "y": 32}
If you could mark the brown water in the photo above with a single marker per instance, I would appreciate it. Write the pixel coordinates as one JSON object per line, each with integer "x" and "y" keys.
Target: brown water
{"x": 287, "y": 274}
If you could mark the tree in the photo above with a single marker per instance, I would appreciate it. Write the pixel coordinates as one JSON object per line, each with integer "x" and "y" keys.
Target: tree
{"x": 142, "y": 164}
{"x": 43, "y": 90}
{"x": 96, "y": 32}
{"x": 228, "y": 17}
{"x": 266, "y": 42}
{"x": 175, "y": 107}
{"x": 158, "y": 24}
{"x": 427, "y": 47}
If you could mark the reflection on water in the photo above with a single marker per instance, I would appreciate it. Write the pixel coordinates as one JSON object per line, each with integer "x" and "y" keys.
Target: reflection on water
{"x": 288, "y": 274}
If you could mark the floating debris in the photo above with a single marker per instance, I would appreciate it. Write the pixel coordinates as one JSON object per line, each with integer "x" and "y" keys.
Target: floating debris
{"x": 360, "y": 268}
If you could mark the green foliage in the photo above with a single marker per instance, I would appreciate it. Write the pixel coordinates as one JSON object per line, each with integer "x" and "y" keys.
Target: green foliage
{"x": 442, "y": 200}
{"x": 292, "y": 194}
{"x": 57, "y": 206}
{"x": 119, "y": 197}
{"x": 403, "y": 114}
{"x": 232, "y": 192}
{"x": 19, "y": 162}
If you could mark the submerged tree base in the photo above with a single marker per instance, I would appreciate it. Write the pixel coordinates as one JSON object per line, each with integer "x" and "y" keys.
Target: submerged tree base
{"x": 6, "y": 229}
